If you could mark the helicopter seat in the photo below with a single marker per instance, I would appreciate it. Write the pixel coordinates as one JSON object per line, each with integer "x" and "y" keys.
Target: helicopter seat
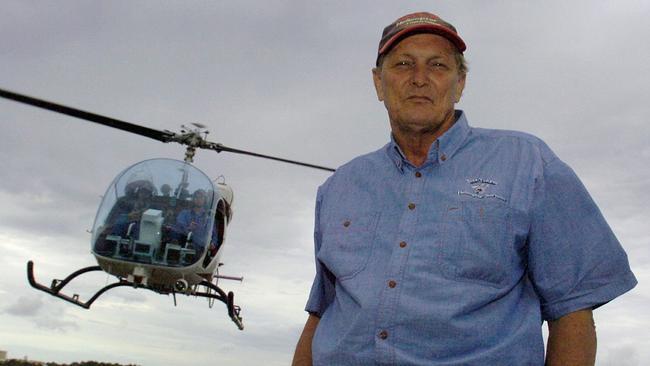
{"x": 108, "y": 246}
{"x": 178, "y": 255}
{"x": 187, "y": 255}
{"x": 115, "y": 246}
{"x": 172, "y": 253}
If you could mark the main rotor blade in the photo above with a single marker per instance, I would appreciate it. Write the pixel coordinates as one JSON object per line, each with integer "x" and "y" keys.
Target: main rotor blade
{"x": 219, "y": 148}
{"x": 164, "y": 136}
{"x": 88, "y": 116}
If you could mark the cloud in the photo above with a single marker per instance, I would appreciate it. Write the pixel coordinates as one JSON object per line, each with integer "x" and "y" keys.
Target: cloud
{"x": 26, "y": 306}
{"x": 132, "y": 297}
{"x": 621, "y": 356}
{"x": 51, "y": 316}
{"x": 55, "y": 322}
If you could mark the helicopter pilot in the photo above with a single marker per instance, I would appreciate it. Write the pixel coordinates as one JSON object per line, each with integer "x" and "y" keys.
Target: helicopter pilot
{"x": 194, "y": 220}
{"x": 139, "y": 198}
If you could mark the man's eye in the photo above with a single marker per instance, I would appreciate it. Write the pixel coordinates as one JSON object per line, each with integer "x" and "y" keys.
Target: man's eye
{"x": 403, "y": 63}
{"x": 438, "y": 65}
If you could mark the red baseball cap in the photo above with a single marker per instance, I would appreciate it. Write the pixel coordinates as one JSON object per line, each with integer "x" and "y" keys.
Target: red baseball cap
{"x": 421, "y": 22}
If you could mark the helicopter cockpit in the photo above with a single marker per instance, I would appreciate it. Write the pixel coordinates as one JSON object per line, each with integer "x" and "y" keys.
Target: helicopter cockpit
{"x": 159, "y": 212}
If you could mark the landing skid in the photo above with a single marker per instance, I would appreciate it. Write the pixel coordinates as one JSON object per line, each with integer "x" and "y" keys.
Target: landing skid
{"x": 58, "y": 285}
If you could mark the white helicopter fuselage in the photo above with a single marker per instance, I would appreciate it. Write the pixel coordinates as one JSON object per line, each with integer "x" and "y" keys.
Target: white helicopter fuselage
{"x": 157, "y": 250}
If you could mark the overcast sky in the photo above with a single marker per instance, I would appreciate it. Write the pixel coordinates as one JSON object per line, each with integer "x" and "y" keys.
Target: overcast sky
{"x": 292, "y": 79}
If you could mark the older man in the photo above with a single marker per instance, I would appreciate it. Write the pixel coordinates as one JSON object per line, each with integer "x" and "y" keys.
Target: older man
{"x": 452, "y": 244}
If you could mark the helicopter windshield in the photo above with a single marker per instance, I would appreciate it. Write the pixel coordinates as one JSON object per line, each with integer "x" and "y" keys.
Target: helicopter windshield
{"x": 158, "y": 212}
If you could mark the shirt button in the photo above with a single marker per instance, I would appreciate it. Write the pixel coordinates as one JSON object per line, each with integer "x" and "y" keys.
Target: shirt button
{"x": 411, "y": 206}
{"x": 418, "y": 174}
{"x": 443, "y": 157}
{"x": 346, "y": 223}
{"x": 383, "y": 334}
{"x": 392, "y": 284}
{"x": 402, "y": 244}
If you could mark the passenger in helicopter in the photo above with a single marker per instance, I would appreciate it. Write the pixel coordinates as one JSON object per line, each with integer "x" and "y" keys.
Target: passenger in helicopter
{"x": 194, "y": 220}
{"x": 138, "y": 196}
{"x": 165, "y": 190}
{"x": 181, "y": 192}
{"x": 167, "y": 203}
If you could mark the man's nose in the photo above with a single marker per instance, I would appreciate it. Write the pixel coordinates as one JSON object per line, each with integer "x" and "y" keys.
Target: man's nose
{"x": 420, "y": 75}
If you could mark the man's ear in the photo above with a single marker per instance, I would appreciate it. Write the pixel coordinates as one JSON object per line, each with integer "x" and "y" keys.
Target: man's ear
{"x": 376, "y": 78}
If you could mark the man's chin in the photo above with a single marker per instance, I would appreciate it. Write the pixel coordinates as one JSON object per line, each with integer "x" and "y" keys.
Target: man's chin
{"x": 421, "y": 125}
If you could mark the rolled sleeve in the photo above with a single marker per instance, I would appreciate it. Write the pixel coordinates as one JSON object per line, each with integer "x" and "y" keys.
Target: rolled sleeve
{"x": 574, "y": 260}
{"x": 322, "y": 290}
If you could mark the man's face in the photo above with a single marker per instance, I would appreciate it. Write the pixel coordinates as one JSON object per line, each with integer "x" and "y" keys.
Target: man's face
{"x": 419, "y": 84}
{"x": 199, "y": 199}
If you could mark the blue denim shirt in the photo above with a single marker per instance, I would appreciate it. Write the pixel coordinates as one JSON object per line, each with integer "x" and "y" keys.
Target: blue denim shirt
{"x": 189, "y": 220}
{"x": 458, "y": 261}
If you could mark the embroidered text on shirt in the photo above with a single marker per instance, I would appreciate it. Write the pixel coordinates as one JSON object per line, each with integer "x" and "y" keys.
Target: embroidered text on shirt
{"x": 480, "y": 187}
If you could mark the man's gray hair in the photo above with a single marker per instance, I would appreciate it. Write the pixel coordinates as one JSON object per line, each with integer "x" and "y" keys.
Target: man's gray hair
{"x": 461, "y": 63}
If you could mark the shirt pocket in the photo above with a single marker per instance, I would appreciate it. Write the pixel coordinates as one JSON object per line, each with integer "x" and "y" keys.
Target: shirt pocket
{"x": 347, "y": 244}
{"x": 477, "y": 243}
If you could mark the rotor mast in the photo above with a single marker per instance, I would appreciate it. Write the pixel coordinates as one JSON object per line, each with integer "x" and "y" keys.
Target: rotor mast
{"x": 191, "y": 137}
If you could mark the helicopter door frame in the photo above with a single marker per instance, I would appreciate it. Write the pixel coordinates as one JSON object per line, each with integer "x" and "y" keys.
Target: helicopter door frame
{"x": 220, "y": 224}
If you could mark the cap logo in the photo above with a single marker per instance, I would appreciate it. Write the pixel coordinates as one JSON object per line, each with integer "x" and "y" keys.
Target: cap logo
{"x": 420, "y": 20}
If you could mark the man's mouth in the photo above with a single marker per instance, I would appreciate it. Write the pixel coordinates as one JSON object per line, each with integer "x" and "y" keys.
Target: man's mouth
{"x": 419, "y": 98}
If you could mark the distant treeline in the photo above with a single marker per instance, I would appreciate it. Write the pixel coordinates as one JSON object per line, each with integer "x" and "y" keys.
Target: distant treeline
{"x": 35, "y": 363}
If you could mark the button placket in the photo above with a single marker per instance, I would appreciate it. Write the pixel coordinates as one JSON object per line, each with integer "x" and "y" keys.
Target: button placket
{"x": 397, "y": 266}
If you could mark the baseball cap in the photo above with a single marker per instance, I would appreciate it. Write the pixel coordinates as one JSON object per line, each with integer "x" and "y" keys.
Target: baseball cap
{"x": 421, "y": 22}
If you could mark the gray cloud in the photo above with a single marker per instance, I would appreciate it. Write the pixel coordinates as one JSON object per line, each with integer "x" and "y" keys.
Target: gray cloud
{"x": 25, "y": 306}
{"x": 47, "y": 316}
{"x": 52, "y": 322}
{"x": 621, "y": 356}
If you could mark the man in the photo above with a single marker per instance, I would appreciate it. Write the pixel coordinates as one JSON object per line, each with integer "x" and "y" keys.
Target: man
{"x": 451, "y": 244}
{"x": 137, "y": 199}
{"x": 196, "y": 220}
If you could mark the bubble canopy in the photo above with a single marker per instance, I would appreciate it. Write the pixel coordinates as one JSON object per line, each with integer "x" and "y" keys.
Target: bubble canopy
{"x": 159, "y": 212}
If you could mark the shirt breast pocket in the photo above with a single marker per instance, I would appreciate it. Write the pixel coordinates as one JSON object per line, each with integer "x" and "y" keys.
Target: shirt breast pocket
{"x": 477, "y": 243}
{"x": 347, "y": 244}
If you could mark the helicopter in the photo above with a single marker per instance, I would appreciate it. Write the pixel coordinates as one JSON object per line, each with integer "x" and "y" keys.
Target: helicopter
{"x": 161, "y": 224}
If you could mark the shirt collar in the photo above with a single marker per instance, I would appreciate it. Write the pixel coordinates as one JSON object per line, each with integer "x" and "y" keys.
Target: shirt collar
{"x": 441, "y": 150}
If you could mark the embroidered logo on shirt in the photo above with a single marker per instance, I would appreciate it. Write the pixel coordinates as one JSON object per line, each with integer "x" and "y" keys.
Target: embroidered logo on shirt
{"x": 481, "y": 188}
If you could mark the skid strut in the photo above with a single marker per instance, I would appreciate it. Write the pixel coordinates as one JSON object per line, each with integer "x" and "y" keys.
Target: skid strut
{"x": 58, "y": 285}
{"x": 233, "y": 310}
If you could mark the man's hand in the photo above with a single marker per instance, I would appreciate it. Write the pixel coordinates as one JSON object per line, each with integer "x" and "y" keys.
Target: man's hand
{"x": 134, "y": 215}
{"x": 302, "y": 356}
{"x": 572, "y": 340}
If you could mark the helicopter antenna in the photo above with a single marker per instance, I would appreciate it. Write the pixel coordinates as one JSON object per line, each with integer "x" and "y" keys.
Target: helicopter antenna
{"x": 192, "y": 138}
